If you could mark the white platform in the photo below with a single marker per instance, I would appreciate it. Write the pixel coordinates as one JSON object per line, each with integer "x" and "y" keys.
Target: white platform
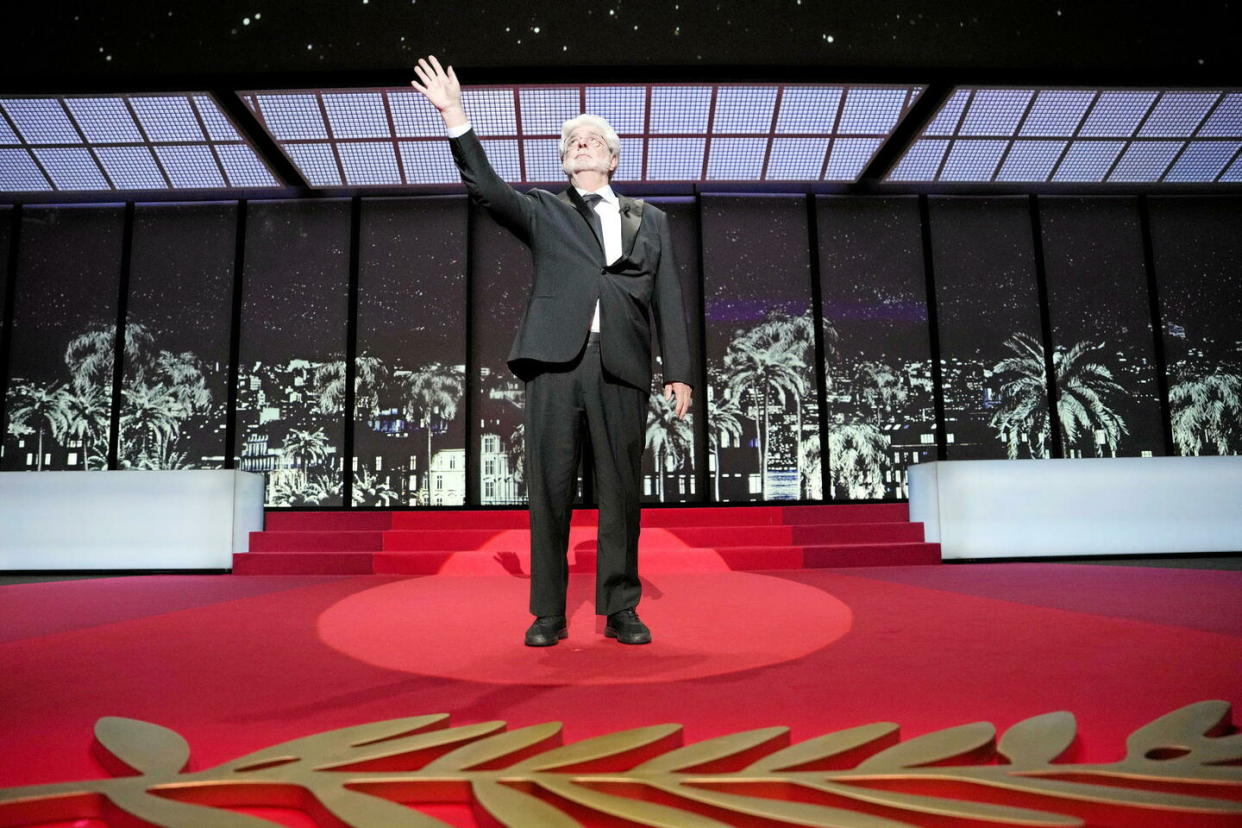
{"x": 193, "y": 519}
{"x": 1108, "y": 506}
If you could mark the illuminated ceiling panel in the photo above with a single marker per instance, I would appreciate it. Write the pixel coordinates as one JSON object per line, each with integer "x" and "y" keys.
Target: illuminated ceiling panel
{"x": 123, "y": 142}
{"x": 1143, "y": 136}
{"x": 669, "y": 132}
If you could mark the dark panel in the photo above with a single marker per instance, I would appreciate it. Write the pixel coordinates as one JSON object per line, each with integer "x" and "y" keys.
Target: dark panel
{"x": 881, "y": 413}
{"x": 1103, "y": 353}
{"x": 501, "y": 274}
{"x": 1197, "y": 253}
{"x": 674, "y": 439}
{"x": 409, "y": 412}
{"x": 991, "y": 351}
{"x": 6, "y": 221}
{"x": 178, "y": 320}
{"x": 761, "y": 395}
{"x": 290, "y": 420}
{"x": 59, "y": 399}
{"x": 5, "y": 252}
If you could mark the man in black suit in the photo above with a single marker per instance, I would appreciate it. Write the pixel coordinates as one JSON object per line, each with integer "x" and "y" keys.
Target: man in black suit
{"x": 604, "y": 274}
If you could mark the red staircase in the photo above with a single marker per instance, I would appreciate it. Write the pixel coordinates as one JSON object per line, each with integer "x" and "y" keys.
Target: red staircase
{"x": 673, "y": 539}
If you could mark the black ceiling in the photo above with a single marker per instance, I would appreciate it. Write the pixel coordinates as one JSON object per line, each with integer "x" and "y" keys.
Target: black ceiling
{"x": 135, "y": 45}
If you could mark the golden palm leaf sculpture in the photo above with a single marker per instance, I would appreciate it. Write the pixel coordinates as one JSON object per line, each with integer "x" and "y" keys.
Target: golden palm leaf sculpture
{"x": 1180, "y": 770}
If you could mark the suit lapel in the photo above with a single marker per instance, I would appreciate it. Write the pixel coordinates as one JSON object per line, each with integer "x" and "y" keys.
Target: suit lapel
{"x": 572, "y": 198}
{"x": 631, "y": 220}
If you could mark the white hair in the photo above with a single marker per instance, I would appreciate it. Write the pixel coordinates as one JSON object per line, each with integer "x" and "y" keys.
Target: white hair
{"x": 595, "y": 122}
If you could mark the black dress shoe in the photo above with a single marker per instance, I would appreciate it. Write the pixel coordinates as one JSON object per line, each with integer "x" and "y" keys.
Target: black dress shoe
{"x": 546, "y": 631}
{"x": 626, "y": 627}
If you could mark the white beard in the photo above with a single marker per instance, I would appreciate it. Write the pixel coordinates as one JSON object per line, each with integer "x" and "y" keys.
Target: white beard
{"x": 573, "y": 165}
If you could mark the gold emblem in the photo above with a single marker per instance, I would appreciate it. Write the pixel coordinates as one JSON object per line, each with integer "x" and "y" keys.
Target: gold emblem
{"x": 1179, "y": 770}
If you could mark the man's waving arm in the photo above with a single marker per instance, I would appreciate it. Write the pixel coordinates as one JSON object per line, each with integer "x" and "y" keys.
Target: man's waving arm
{"x": 440, "y": 87}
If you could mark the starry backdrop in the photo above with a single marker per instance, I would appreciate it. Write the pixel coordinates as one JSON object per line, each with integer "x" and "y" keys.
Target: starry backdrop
{"x": 1197, "y": 250}
{"x": 754, "y": 262}
{"x": 1197, "y": 256}
{"x": 295, "y": 285}
{"x": 411, "y": 321}
{"x": 144, "y": 38}
{"x": 1097, "y": 294}
{"x": 502, "y": 274}
{"x": 296, "y": 256}
{"x": 181, "y": 280}
{"x": 986, "y": 295}
{"x": 68, "y": 270}
{"x": 871, "y": 266}
{"x": 680, "y": 482}
{"x": 756, "y": 268}
{"x": 875, "y": 297}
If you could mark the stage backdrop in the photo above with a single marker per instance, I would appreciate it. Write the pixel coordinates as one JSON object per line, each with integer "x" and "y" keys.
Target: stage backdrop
{"x": 409, "y": 418}
{"x": 1103, "y": 352}
{"x": 844, "y": 338}
{"x": 1197, "y": 255}
{"x": 877, "y": 351}
{"x": 59, "y": 395}
{"x": 178, "y": 322}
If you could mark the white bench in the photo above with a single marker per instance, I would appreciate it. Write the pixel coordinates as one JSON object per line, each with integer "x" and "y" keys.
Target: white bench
{"x": 191, "y": 519}
{"x": 1089, "y": 506}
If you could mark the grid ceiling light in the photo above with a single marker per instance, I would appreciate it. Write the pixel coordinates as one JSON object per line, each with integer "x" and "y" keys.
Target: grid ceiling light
{"x": 1127, "y": 136}
{"x": 669, "y": 132}
{"x": 176, "y": 141}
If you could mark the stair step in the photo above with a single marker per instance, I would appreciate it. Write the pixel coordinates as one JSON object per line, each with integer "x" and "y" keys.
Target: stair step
{"x": 871, "y": 554}
{"x": 701, "y": 536}
{"x": 517, "y": 562}
{"x": 286, "y": 521}
{"x": 325, "y": 540}
{"x": 304, "y": 563}
{"x": 497, "y": 541}
{"x": 358, "y": 520}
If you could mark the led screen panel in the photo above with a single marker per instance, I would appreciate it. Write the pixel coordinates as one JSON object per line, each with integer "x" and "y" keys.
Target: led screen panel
{"x": 1125, "y": 136}
{"x": 290, "y": 401}
{"x": 1197, "y": 254}
{"x": 58, "y": 404}
{"x": 158, "y": 141}
{"x": 501, "y": 275}
{"x": 6, "y": 222}
{"x": 409, "y": 407}
{"x": 675, "y": 441}
{"x": 1103, "y": 352}
{"x": 991, "y": 348}
{"x": 668, "y": 132}
{"x": 761, "y": 395}
{"x": 878, "y": 381}
{"x": 178, "y": 321}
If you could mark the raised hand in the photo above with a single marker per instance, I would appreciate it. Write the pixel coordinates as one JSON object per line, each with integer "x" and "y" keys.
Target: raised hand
{"x": 438, "y": 85}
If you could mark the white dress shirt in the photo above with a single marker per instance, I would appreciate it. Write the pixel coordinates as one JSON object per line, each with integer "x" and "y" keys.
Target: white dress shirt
{"x": 608, "y": 209}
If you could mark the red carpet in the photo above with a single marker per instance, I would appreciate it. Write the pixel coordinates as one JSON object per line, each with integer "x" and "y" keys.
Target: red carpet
{"x": 388, "y": 626}
{"x": 238, "y": 663}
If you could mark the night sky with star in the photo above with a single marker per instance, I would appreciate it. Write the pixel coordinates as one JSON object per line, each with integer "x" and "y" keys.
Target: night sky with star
{"x": 146, "y": 39}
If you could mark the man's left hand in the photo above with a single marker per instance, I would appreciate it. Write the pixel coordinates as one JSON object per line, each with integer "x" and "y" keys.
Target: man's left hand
{"x": 681, "y": 393}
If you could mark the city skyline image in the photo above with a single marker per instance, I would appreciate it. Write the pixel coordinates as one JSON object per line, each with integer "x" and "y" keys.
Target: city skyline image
{"x": 794, "y": 405}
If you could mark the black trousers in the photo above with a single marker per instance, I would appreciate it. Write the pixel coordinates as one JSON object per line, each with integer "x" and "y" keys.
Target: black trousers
{"x": 559, "y": 398}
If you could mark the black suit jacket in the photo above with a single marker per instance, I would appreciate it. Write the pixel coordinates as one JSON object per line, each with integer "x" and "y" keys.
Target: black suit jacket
{"x": 638, "y": 291}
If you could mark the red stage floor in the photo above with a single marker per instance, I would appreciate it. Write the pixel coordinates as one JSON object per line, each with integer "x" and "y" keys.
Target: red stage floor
{"x": 235, "y": 664}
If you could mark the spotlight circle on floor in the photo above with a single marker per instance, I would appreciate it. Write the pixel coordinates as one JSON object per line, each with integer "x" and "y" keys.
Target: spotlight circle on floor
{"x": 703, "y": 624}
